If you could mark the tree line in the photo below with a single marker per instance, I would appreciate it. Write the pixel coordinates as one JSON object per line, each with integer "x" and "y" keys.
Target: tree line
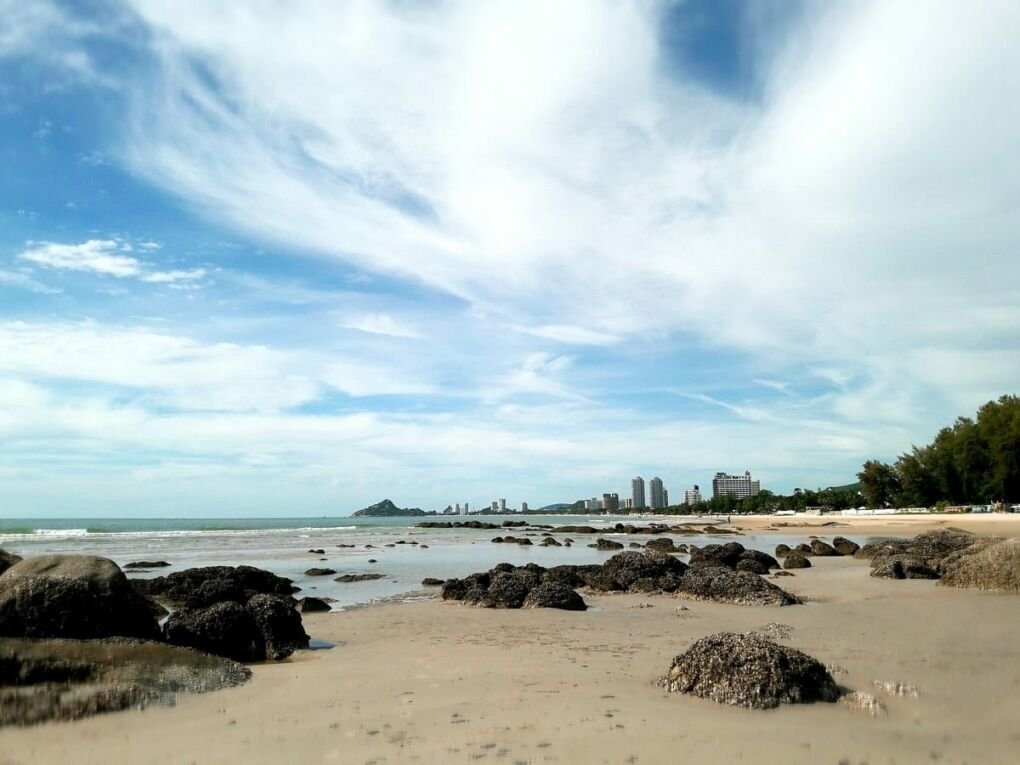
{"x": 972, "y": 461}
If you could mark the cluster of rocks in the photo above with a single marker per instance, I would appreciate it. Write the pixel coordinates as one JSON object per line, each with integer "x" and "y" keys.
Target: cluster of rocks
{"x": 956, "y": 557}
{"x": 797, "y": 557}
{"x": 241, "y": 612}
{"x": 710, "y": 577}
{"x": 749, "y": 670}
{"x": 54, "y": 608}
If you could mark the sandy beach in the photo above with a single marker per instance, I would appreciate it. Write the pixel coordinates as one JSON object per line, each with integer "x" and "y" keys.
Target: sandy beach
{"x": 429, "y": 681}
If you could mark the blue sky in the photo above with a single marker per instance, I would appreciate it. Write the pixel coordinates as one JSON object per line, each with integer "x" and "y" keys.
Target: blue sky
{"x": 290, "y": 258}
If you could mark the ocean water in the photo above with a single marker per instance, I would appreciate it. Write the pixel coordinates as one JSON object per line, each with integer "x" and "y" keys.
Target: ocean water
{"x": 281, "y": 545}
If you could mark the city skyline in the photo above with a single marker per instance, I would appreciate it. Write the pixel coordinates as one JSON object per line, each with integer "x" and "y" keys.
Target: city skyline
{"x": 517, "y": 245}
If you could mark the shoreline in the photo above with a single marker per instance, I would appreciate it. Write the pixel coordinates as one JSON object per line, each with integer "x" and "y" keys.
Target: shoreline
{"x": 428, "y": 681}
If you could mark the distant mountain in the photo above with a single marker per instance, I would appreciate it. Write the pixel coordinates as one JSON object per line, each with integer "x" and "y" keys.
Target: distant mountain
{"x": 386, "y": 509}
{"x": 847, "y": 487}
{"x": 563, "y": 507}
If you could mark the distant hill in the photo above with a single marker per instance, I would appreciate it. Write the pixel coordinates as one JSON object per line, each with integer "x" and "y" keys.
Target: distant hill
{"x": 848, "y": 487}
{"x": 386, "y": 509}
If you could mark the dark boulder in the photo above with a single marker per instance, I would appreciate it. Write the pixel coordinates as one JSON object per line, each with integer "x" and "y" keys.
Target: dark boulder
{"x": 319, "y": 572}
{"x": 749, "y": 671}
{"x": 844, "y": 546}
{"x": 761, "y": 557}
{"x": 567, "y": 575}
{"x": 752, "y": 566}
{"x": 430, "y": 581}
{"x": 822, "y": 549}
{"x": 932, "y": 547}
{"x": 882, "y": 547}
{"x": 901, "y": 567}
{"x": 550, "y": 542}
{"x": 7, "y": 560}
{"x": 312, "y": 605}
{"x": 224, "y": 629}
{"x": 626, "y": 568}
{"x": 470, "y": 589}
{"x": 727, "y": 555}
{"x": 782, "y": 551}
{"x": 606, "y": 544}
{"x": 280, "y": 624}
{"x": 554, "y": 595}
{"x": 720, "y": 584}
{"x": 72, "y": 596}
{"x": 147, "y": 564}
{"x": 177, "y": 587}
{"x": 576, "y": 530}
{"x": 804, "y": 549}
{"x": 348, "y": 578}
{"x": 796, "y": 560}
{"x": 317, "y": 551}
{"x": 662, "y": 544}
{"x": 506, "y": 590}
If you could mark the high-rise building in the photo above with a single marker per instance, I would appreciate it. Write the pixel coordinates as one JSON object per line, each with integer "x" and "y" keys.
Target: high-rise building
{"x": 692, "y": 496}
{"x": 665, "y": 497}
{"x": 611, "y": 502}
{"x": 465, "y": 508}
{"x": 524, "y": 507}
{"x": 593, "y": 504}
{"x": 736, "y": 486}
{"x": 657, "y": 493}
{"x": 637, "y": 492}
{"x": 502, "y": 505}
{"x": 494, "y": 507}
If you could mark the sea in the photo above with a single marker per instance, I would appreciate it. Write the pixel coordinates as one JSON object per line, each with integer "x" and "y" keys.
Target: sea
{"x": 380, "y": 545}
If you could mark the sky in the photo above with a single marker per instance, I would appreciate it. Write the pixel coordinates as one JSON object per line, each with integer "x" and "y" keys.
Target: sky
{"x": 289, "y": 258}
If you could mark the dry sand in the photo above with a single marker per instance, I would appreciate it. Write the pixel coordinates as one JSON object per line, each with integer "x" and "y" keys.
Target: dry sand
{"x": 433, "y": 682}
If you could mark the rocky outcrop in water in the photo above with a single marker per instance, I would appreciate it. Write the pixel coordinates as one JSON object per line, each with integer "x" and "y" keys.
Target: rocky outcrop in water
{"x": 72, "y": 596}
{"x": 926, "y": 556}
{"x": 554, "y": 595}
{"x": 844, "y": 546}
{"x": 312, "y": 605}
{"x": 44, "y": 680}
{"x": 796, "y": 560}
{"x": 749, "y": 671}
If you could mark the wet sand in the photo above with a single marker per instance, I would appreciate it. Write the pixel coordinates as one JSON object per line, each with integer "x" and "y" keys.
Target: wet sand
{"x": 439, "y": 682}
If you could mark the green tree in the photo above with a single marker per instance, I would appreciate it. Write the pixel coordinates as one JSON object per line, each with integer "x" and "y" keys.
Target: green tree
{"x": 879, "y": 483}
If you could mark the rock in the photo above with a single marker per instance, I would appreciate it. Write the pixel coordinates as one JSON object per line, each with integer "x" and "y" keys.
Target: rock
{"x": 782, "y": 573}
{"x": 431, "y": 582}
{"x": 844, "y": 546}
{"x": 749, "y": 671}
{"x": 550, "y": 542}
{"x": 782, "y": 551}
{"x": 312, "y": 605}
{"x": 524, "y": 541}
{"x": 72, "y": 596}
{"x": 224, "y": 629}
{"x": 280, "y": 624}
{"x": 721, "y": 585}
{"x": 996, "y": 567}
{"x": 882, "y": 547}
{"x": 44, "y": 680}
{"x": 505, "y": 590}
{"x": 470, "y": 589}
{"x": 752, "y": 566}
{"x": 804, "y": 549}
{"x": 796, "y": 560}
{"x": 318, "y": 551}
{"x": 498, "y": 540}
{"x": 822, "y": 549}
{"x": 198, "y": 587}
{"x": 554, "y": 595}
{"x": 727, "y": 555}
{"x": 606, "y": 544}
{"x": 662, "y": 544}
{"x": 372, "y": 560}
{"x": 635, "y": 545}
{"x": 576, "y": 530}
{"x": 761, "y": 557}
{"x": 933, "y": 547}
{"x": 347, "y": 578}
{"x": 319, "y": 572}
{"x": 901, "y": 567}
{"x": 147, "y": 564}
{"x": 7, "y": 560}
{"x": 567, "y": 575}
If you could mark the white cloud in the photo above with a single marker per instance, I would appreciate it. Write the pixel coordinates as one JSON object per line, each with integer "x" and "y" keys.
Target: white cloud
{"x": 96, "y": 256}
{"x": 381, "y": 324}
{"x": 172, "y": 277}
{"x": 103, "y": 257}
{"x": 538, "y": 160}
{"x": 25, "y": 281}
